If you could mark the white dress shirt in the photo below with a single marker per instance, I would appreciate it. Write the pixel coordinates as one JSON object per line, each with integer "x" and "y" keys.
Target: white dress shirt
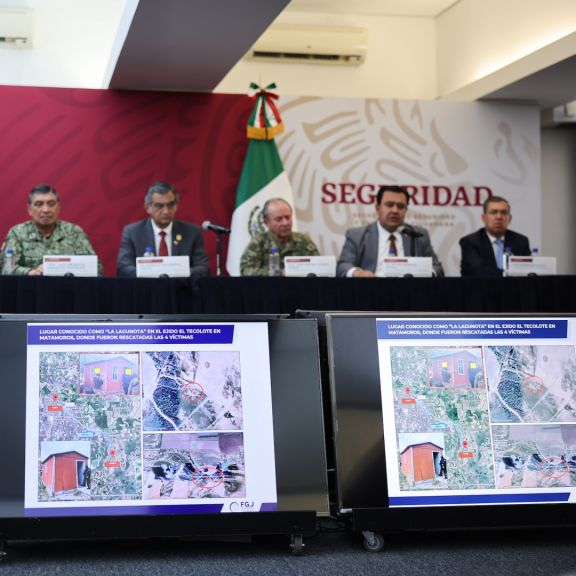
{"x": 168, "y": 237}
{"x": 493, "y": 240}
{"x": 384, "y": 247}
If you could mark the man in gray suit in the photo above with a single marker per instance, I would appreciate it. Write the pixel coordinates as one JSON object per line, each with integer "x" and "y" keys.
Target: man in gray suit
{"x": 162, "y": 234}
{"x": 366, "y": 246}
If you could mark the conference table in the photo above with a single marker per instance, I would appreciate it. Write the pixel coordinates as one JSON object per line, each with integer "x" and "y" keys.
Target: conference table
{"x": 252, "y": 295}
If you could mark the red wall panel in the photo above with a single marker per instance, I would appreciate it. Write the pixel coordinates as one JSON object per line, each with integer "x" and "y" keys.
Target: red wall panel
{"x": 101, "y": 149}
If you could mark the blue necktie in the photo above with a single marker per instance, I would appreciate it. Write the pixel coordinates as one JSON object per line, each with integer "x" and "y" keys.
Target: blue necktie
{"x": 500, "y": 253}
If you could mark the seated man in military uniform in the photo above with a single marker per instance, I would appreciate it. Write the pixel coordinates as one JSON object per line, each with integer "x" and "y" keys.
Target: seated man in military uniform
{"x": 277, "y": 215}
{"x": 44, "y": 234}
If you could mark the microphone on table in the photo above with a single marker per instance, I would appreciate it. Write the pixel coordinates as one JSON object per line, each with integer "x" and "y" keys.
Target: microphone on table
{"x": 207, "y": 225}
{"x": 410, "y": 231}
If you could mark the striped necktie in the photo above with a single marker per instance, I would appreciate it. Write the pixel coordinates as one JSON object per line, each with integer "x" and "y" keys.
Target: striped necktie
{"x": 392, "y": 250}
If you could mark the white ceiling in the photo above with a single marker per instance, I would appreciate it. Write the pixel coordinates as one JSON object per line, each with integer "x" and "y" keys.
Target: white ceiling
{"x": 190, "y": 45}
{"x": 187, "y": 45}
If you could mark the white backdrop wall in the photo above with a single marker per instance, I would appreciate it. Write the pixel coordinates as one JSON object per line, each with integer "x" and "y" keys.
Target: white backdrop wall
{"x": 559, "y": 196}
{"x": 452, "y": 156}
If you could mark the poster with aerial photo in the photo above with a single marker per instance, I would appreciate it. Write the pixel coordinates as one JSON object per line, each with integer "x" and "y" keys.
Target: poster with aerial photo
{"x": 531, "y": 383}
{"x": 97, "y": 430}
{"x": 192, "y": 390}
{"x": 441, "y": 414}
{"x": 535, "y": 456}
{"x": 478, "y": 410}
{"x": 201, "y": 465}
{"x": 133, "y": 416}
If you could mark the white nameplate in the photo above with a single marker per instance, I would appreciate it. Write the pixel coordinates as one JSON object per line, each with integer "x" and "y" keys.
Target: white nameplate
{"x": 531, "y": 265}
{"x": 409, "y": 266}
{"x": 156, "y": 266}
{"x": 310, "y": 266}
{"x": 55, "y": 265}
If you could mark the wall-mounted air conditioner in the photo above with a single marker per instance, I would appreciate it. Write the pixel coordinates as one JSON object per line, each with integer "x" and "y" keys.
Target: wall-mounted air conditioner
{"x": 311, "y": 44}
{"x": 15, "y": 27}
{"x": 564, "y": 114}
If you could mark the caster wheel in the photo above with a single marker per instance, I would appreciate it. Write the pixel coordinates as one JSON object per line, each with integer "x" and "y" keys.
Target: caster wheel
{"x": 297, "y": 544}
{"x": 373, "y": 541}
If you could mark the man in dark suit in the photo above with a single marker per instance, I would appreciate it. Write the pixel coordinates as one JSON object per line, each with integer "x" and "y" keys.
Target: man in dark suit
{"x": 483, "y": 251}
{"x": 161, "y": 234}
{"x": 367, "y": 246}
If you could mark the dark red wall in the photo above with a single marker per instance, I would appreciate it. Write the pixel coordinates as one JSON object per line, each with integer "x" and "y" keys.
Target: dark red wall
{"x": 101, "y": 150}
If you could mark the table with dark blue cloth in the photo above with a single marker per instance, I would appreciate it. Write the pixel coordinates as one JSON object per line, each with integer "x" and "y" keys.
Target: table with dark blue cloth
{"x": 64, "y": 295}
{"x": 284, "y": 295}
{"x": 224, "y": 295}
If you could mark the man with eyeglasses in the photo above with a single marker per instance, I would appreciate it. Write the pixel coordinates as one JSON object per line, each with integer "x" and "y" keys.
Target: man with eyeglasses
{"x": 162, "y": 234}
{"x": 43, "y": 235}
{"x": 483, "y": 251}
{"x": 366, "y": 247}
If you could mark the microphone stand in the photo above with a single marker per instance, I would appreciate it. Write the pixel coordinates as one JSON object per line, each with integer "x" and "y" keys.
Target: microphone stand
{"x": 218, "y": 251}
{"x": 413, "y": 234}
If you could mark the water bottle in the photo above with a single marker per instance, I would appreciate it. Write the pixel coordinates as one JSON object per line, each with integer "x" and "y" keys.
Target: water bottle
{"x": 9, "y": 261}
{"x": 148, "y": 252}
{"x": 535, "y": 254}
{"x": 274, "y": 262}
{"x": 507, "y": 254}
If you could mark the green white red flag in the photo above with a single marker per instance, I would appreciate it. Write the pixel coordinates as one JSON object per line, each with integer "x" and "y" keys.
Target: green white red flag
{"x": 263, "y": 176}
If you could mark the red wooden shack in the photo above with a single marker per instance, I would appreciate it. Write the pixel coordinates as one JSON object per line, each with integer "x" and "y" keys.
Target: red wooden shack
{"x": 421, "y": 462}
{"x": 456, "y": 369}
{"x": 64, "y": 471}
{"x": 113, "y": 370}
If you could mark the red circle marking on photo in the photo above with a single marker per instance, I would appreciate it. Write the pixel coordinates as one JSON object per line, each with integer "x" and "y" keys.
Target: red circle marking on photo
{"x": 533, "y": 385}
{"x": 193, "y": 391}
{"x": 208, "y": 477}
{"x": 553, "y": 467}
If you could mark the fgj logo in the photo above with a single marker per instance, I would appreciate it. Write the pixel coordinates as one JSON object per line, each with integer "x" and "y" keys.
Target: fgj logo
{"x": 242, "y": 506}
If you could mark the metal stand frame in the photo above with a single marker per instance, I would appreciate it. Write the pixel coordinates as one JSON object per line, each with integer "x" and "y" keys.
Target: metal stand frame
{"x": 293, "y": 524}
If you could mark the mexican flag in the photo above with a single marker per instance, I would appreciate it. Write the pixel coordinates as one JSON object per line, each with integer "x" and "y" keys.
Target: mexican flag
{"x": 262, "y": 177}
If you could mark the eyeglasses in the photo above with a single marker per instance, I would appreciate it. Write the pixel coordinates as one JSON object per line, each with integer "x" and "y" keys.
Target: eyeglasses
{"x": 399, "y": 205}
{"x": 160, "y": 205}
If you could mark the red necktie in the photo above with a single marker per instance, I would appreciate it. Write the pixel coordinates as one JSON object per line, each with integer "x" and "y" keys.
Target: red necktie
{"x": 393, "y": 251}
{"x": 163, "y": 247}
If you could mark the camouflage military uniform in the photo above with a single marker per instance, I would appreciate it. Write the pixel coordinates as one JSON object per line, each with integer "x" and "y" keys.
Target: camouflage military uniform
{"x": 254, "y": 261}
{"x": 30, "y": 246}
